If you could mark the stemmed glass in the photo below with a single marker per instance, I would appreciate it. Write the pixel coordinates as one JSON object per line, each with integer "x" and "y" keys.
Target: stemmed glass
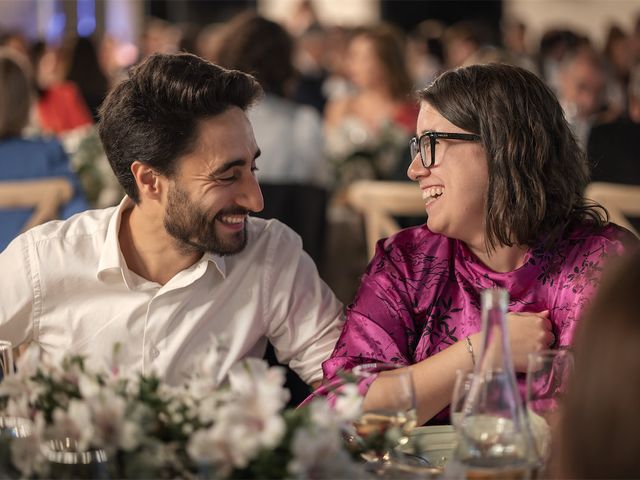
{"x": 461, "y": 388}
{"x": 389, "y": 410}
{"x": 66, "y": 460}
{"x": 547, "y": 377}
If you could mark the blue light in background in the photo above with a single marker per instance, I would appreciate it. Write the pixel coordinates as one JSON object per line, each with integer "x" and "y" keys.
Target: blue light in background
{"x": 86, "y": 17}
{"x": 55, "y": 28}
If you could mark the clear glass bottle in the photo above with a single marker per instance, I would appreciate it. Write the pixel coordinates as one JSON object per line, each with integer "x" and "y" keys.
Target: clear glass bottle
{"x": 494, "y": 438}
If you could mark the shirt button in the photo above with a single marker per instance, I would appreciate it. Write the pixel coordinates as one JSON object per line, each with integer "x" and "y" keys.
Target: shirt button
{"x": 154, "y": 352}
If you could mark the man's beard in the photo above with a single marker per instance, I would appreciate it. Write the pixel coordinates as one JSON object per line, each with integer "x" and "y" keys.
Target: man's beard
{"x": 195, "y": 231}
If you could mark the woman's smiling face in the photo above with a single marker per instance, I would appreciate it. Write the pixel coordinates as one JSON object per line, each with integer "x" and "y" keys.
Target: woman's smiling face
{"x": 455, "y": 188}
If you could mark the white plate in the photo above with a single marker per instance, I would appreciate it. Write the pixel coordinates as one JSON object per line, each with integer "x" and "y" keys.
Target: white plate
{"x": 434, "y": 443}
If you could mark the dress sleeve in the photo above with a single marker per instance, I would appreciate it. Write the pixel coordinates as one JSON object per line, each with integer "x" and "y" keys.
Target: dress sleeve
{"x": 582, "y": 276}
{"x": 379, "y": 324}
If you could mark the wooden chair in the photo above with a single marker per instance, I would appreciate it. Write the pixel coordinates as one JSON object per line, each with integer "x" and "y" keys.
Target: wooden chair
{"x": 621, "y": 201}
{"x": 379, "y": 201}
{"x": 44, "y": 196}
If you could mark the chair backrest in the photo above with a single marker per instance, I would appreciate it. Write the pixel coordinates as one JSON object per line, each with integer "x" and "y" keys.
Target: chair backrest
{"x": 378, "y": 201}
{"x": 45, "y": 196}
{"x": 621, "y": 201}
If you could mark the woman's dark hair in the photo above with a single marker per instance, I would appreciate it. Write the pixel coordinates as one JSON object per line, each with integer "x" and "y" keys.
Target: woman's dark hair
{"x": 15, "y": 94}
{"x": 601, "y": 412}
{"x": 85, "y": 71}
{"x": 258, "y": 46}
{"x": 537, "y": 171}
{"x": 153, "y": 116}
{"x": 389, "y": 45}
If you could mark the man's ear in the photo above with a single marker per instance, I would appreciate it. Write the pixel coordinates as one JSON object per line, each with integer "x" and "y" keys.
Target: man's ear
{"x": 149, "y": 183}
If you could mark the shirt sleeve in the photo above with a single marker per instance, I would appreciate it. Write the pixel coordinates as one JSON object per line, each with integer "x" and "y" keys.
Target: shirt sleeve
{"x": 304, "y": 317}
{"x": 379, "y": 324}
{"x": 17, "y": 292}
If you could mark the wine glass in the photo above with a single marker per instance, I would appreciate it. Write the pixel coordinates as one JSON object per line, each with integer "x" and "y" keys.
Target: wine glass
{"x": 547, "y": 377}
{"x": 388, "y": 412}
{"x": 66, "y": 460}
{"x": 461, "y": 388}
{"x": 6, "y": 359}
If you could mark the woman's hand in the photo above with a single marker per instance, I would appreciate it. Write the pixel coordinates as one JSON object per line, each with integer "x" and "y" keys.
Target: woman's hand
{"x": 528, "y": 332}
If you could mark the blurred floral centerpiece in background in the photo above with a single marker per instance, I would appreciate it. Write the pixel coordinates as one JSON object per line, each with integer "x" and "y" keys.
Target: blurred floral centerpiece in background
{"x": 356, "y": 154}
{"x": 146, "y": 429}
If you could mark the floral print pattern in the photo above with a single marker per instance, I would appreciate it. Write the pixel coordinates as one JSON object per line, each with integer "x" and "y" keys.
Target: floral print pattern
{"x": 421, "y": 292}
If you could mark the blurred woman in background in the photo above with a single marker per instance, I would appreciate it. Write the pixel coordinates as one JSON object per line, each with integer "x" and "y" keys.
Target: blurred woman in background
{"x": 367, "y": 131}
{"x": 26, "y": 159}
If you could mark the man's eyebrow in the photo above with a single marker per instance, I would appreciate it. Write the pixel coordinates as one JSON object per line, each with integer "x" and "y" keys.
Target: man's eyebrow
{"x": 240, "y": 162}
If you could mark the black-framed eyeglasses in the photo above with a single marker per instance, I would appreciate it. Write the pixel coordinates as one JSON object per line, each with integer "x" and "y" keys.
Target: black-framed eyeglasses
{"x": 428, "y": 149}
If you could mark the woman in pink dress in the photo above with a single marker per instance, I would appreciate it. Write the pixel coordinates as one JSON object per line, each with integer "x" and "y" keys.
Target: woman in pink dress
{"x": 502, "y": 180}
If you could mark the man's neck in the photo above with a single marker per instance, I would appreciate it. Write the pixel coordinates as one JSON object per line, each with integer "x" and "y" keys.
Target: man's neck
{"x": 148, "y": 249}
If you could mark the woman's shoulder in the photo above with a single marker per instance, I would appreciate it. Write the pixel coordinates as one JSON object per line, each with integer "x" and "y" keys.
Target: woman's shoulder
{"x": 590, "y": 233}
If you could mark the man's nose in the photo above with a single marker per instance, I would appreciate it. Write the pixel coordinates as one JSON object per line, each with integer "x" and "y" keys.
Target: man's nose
{"x": 251, "y": 196}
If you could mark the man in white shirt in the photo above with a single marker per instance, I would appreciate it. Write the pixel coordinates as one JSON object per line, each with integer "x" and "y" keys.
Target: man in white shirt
{"x": 179, "y": 261}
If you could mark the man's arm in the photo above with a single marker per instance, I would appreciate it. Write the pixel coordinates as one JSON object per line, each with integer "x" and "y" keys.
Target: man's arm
{"x": 16, "y": 292}
{"x": 304, "y": 316}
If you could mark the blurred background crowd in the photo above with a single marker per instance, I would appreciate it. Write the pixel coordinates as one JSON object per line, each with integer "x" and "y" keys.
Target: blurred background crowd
{"x": 338, "y": 105}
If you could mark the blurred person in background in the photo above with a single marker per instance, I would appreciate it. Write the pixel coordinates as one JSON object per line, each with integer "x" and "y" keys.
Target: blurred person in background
{"x": 367, "y": 131}
{"x": 514, "y": 39}
{"x": 618, "y": 61}
{"x": 159, "y": 36}
{"x": 425, "y": 52}
{"x": 22, "y": 158}
{"x": 581, "y": 91}
{"x": 468, "y": 43}
{"x": 598, "y": 434}
{"x": 59, "y": 104}
{"x": 85, "y": 71}
{"x": 554, "y": 46}
{"x": 614, "y": 147}
{"x": 16, "y": 41}
{"x": 310, "y": 61}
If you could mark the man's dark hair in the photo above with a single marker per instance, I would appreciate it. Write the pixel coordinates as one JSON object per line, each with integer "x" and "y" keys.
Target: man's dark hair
{"x": 153, "y": 116}
{"x": 537, "y": 171}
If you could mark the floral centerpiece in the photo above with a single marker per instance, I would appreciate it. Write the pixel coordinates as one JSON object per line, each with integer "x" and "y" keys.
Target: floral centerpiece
{"x": 147, "y": 429}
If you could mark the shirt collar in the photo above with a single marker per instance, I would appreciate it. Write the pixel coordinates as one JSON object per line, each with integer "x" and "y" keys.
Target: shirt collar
{"x": 111, "y": 259}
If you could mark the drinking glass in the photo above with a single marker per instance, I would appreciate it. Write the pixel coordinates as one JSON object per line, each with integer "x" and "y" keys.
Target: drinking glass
{"x": 388, "y": 412}
{"x": 548, "y": 372}
{"x": 6, "y": 359}
{"x": 461, "y": 388}
{"x": 67, "y": 461}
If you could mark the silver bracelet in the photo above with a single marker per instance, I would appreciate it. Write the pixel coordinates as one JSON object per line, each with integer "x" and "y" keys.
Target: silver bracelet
{"x": 470, "y": 350}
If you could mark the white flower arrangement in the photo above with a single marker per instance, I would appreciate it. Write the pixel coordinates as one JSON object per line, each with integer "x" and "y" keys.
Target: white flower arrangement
{"x": 240, "y": 429}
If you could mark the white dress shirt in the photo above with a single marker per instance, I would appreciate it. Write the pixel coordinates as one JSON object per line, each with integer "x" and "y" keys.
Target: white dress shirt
{"x": 66, "y": 287}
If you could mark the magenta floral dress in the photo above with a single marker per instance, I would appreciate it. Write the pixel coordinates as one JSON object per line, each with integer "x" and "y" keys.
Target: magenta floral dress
{"x": 421, "y": 293}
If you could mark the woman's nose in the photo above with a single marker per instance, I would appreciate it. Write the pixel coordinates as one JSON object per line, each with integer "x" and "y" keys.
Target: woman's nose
{"x": 416, "y": 169}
